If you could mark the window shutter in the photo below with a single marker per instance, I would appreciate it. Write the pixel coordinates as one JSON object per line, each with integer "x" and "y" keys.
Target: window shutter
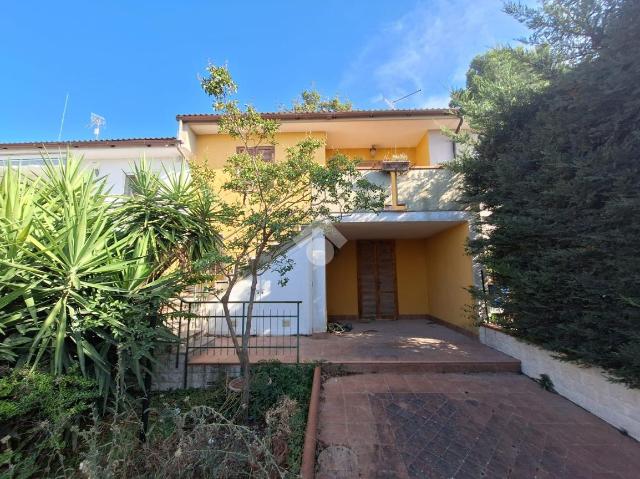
{"x": 268, "y": 153}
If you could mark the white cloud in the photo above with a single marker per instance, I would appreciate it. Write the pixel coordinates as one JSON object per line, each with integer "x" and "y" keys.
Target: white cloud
{"x": 428, "y": 48}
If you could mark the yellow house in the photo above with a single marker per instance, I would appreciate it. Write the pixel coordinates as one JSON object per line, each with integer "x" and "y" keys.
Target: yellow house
{"x": 405, "y": 262}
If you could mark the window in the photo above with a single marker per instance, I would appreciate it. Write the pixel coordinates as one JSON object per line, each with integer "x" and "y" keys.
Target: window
{"x": 440, "y": 148}
{"x": 268, "y": 153}
{"x": 27, "y": 162}
{"x": 128, "y": 184}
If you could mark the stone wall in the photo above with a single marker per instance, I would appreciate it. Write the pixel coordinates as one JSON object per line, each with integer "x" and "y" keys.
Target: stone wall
{"x": 588, "y": 387}
{"x": 168, "y": 375}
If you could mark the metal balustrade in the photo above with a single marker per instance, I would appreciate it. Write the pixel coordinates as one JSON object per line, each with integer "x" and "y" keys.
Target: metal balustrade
{"x": 205, "y": 335}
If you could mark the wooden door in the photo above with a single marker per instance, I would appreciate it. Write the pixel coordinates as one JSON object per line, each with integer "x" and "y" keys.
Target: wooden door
{"x": 377, "y": 294}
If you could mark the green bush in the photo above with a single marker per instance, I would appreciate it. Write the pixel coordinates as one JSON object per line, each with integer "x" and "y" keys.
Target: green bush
{"x": 556, "y": 170}
{"x": 50, "y": 428}
{"x": 41, "y": 417}
{"x": 272, "y": 380}
{"x": 83, "y": 273}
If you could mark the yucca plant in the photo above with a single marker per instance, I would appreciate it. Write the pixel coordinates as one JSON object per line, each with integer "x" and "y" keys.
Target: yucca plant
{"x": 81, "y": 273}
{"x": 17, "y": 206}
{"x": 172, "y": 215}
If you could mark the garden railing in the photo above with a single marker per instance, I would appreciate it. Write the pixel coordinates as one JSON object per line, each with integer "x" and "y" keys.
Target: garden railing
{"x": 205, "y": 336}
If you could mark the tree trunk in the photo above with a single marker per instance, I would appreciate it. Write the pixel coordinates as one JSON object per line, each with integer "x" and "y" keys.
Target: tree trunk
{"x": 146, "y": 399}
{"x": 245, "y": 365}
{"x": 245, "y": 373}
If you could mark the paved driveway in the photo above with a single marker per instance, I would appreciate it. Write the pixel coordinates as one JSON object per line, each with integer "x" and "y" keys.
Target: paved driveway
{"x": 491, "y": 425}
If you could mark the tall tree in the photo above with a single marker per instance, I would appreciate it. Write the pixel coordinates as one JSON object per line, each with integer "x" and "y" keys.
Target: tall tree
{"x": 312, "y": 101}
{"x": 500, "y": 79}
{"x": 555, "y": 173}
{"x": 574, "y": 29}
{"x": 268, "y": 202}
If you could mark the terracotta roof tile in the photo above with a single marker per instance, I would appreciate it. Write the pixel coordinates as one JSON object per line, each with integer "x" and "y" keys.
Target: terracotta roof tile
{"x": 354, "y": 114}
{"x": 116, "y": 142}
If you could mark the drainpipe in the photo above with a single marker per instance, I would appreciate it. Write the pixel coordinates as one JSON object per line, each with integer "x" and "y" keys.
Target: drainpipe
{"x": 453, "y": 143}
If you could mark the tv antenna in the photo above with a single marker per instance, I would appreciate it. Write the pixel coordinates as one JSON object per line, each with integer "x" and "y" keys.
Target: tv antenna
{"x": 392, "y": 103}
{"x": 64, "y": 112}
{"x": 97, "y": 122}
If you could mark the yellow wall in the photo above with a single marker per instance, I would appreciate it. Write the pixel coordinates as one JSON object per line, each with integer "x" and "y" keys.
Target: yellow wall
{"x": 422, "y": 151}
{"x": 381, "y": 153}
{"x": 215, "y": 149}
{"x": 342, "y": 282}
{"x": 449, "y": 272}
{"x": 411, "y": 266}
{"x": 431, "y": 273}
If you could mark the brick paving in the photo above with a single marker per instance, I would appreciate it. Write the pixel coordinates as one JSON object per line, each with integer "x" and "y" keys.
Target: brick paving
{"x": 493, "y": 425}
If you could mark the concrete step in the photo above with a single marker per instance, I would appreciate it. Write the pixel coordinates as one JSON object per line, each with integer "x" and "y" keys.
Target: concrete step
{"x": 428, "y": 367}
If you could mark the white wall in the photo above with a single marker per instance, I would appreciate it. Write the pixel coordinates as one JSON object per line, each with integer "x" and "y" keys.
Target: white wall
{"x": 112, "y": 163}
{"x": 588, "y": 387}
{"x": 440, "y": 148}
{"x": 306, "y": 283}
{"x": 115, "y": 163}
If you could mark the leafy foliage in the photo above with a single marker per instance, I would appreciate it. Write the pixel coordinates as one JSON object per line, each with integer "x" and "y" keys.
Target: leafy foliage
{"x": 82, "y": 273}
{"x": 555, "y": 173}
{"x": 272, "y": 380}
{"x": 267, "y": 203}
{"x": 41, "y": 418}
{"x": 270, "y": 384}
{"x": 311, "y": 101}
{"x": 574, "y": 29}
{"x": 273, "y": 384}
{"x": 500, "y": 79}
{"x": 49, "y": 429}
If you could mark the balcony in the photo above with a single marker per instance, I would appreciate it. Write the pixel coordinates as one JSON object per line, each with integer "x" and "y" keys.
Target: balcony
{"x": 420, "y": 189}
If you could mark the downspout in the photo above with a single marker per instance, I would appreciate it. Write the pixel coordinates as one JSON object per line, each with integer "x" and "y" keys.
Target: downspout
{"x": 453, "y": 143}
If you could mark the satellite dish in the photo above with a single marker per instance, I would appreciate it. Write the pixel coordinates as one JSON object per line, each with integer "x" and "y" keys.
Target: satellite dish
{"x": 97, "y": 122}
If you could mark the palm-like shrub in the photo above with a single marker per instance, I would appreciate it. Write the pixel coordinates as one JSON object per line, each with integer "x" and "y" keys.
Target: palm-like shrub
{"x": 82, "y": 273}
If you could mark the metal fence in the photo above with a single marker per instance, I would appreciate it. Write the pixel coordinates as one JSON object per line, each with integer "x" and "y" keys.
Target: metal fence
{"x": 205, "y": 335}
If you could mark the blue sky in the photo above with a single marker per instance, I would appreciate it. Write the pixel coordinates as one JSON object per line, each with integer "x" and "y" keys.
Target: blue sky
{"x": 136, "y": 63}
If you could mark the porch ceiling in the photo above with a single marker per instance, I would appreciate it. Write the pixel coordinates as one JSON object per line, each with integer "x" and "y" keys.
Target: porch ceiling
{"x": 395, "y": 230}
{"x": 359, "y": 133}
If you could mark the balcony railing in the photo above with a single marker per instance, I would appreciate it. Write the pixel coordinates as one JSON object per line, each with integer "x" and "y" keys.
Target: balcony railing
{"x": 421, "y": 189}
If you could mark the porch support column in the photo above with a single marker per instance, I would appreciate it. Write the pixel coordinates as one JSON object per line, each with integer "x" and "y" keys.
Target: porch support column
{"x": 394, "y": 189}
{"x": 318, "y": 282}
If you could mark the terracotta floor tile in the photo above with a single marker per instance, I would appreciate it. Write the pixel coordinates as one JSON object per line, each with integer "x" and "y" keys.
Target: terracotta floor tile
{"x": 471, "y": 426}
{"x": 333, "y": 433}
{"x": 399, "y": 342}
{"x": 362, "y": 432}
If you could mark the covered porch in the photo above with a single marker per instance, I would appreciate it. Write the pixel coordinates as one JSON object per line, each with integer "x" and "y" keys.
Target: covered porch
{"x": 400, "y": 279}
{"x": 410, "y": 265}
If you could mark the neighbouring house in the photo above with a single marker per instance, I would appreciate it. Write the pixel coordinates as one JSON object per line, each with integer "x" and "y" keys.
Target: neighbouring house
{"x": 407, "y": 261}
{"x": 112, "y": 159}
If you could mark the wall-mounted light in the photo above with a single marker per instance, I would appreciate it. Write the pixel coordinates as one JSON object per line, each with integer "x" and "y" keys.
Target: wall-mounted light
{"x": 373, "y": 151}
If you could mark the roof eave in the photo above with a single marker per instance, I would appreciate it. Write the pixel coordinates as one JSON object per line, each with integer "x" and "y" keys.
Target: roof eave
{"x": 357, "y": 114}
{"x": 123, "y": 142}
